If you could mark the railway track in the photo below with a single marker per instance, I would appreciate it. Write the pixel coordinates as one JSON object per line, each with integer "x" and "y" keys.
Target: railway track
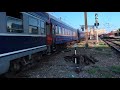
{"x": 113, "y": 45}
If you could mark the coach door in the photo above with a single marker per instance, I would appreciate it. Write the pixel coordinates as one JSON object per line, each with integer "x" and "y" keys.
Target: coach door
{"x": 49, "y": 34}
{"x": 53, "y": 36}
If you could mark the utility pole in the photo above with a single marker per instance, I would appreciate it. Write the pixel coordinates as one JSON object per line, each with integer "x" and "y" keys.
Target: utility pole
{"x": 86, "y": 29}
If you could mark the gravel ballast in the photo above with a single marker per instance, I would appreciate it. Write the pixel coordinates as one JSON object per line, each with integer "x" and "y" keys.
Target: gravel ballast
{"x": 55, "y": 66}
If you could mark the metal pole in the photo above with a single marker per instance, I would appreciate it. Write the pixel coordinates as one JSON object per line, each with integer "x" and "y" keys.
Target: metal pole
{"x": 96, "y": 21}
{"x": 97, "y": 34}
{"x": 75, "y": 53}
{"x": 86, "y": 28}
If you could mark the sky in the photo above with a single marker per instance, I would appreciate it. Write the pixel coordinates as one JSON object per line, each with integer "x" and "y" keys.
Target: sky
{"x": 107, "y": 20}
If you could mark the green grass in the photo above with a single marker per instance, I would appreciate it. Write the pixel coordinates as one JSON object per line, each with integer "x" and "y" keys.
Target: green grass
{"x": 104, "y": 72}
{"x": 105, "y": 75}
{"x": 103, "y": 51}
{"x": 100, "y": 72}
{"x": 109, "y": 72}
{"x": 93, "y": 70}
{"x": 99, "y": 49}
{"x": 101, "y": 44}
{"x": 115, "y": 69}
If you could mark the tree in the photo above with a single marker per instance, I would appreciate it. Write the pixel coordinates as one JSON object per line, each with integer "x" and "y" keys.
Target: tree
{"x": 119, "y": 29}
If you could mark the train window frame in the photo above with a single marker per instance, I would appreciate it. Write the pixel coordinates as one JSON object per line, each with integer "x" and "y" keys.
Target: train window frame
{"x": 17, "y": 25}
{"x": 63, "y": 31}
{"x": 42, "y": 29}
{"x": 68, "y": 32}
{"x": 53, "y": 26}
{"x": 30, "y": 31}
{"x": 73, "y": 33}
{"x": 59, "y": 30}
{"x": 56, "y": 29}
{"x": 31, "y": 21}
{"x": 31, "y": 24}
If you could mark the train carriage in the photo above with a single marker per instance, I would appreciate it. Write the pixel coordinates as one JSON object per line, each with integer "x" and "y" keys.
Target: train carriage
{"x": 61, "y": 32}
{"x": 21, "y": 36}
{"x": 27, "y": 34}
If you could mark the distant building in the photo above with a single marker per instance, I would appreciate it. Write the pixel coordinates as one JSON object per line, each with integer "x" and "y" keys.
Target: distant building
{"x": 115, "y": 32}
{"x": 93, "y": 32}
{"x": 100, "y": 31}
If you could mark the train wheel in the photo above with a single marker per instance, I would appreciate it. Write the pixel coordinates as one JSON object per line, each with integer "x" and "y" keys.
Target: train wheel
{"x": 15, "y": 67}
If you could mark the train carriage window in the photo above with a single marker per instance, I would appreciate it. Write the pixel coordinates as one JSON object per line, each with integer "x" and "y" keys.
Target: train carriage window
{"x": 53, "y": 29}
{"x": 33, "y": 25}
{"x": 43, "y": 29}
{"x": 33, "y": 29}
{"x": 71, "y": 33}
{"x": 53, "y": 26}
{"x": 33, "y": 21}
{"x": 63, "y": 31}
{"x": 68, "y": 32}
{"x": 57, "y": 30}
{"x": 14, "y": 25}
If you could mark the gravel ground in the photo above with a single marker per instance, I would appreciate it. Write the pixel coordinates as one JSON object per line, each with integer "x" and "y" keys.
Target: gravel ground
{"x": 108, "y": 65}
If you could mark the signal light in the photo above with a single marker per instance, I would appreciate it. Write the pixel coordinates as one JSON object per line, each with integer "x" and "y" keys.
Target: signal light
{"x": 82, "y": 28}
{"x": 96, "y": 24}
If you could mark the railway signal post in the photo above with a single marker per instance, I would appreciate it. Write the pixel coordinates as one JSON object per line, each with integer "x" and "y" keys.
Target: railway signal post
{"x": 86, "y": 29}
{"x": 96, "y": 24}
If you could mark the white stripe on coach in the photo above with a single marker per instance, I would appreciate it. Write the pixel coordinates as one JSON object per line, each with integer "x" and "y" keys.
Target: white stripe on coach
{"x": 14, "y": 52}
{"x": 11, "y": 34}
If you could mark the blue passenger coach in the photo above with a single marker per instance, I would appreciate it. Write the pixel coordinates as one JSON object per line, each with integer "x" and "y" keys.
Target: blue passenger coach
{"x": 63, "y": 32}
{"x": 20, "y": 35}
{"x": 26, "y": 36}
